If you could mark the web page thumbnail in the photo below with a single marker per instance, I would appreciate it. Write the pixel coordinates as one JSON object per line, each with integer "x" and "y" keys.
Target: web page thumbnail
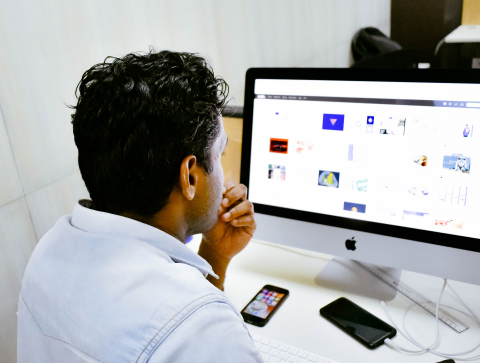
{"x": 457, "y": 162}
{"x": 393, "y": 126}
{"x": 360, "y": 184}
{"x": 279, "y": 146}
{"x": 276, "y": 172}
{"x": 350, "y": 153}
{"x": 458, "y": 128}
{"x": 354, "y": 207}
{"x": 421, "y": 160}
{"x": 383, "y": 211}
{"x": 452, "y": 194}
{"x": 412, "y": 215}
{"x": 303, "y": 147}
{"x": 418, "y": 189}
{"x": 333, "y": 122}
{"x": 329, "y": 179}
{"x": 467, "y": 131}
{"x": 452, "y": 223}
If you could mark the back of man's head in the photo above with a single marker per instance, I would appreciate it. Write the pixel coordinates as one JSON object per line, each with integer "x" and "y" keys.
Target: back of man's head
{"x": 136, "y": 119}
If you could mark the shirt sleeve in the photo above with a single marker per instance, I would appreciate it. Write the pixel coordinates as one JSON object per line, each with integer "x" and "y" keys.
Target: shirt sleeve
{"x": 212, "y": 334}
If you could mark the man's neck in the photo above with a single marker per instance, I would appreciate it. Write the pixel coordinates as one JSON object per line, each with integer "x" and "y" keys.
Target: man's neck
{"x": 167, "y": 220}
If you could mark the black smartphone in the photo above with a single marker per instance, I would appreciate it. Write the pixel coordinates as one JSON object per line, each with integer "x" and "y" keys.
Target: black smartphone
{"x": 357, "y": 322}
{"x": 264, "y": 305}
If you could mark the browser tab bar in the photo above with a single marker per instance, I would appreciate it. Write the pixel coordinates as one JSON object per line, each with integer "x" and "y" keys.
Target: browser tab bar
{"x": 382, "y": 101}
{"x": 455, "y": 93}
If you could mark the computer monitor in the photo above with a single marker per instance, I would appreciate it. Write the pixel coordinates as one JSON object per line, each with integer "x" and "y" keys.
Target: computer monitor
{"x": 389, "y": 159}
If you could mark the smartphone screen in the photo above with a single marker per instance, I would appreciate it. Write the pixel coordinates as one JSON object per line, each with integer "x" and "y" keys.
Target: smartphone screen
{"x": 357, "y": 322}
{"x": 264, "y": 304}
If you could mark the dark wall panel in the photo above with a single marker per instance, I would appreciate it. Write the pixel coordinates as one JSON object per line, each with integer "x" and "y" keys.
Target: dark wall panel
{"x": 421, "y": 24}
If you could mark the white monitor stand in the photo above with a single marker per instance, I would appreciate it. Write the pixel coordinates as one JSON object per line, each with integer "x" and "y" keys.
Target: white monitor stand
{"x": 346, "y": 275}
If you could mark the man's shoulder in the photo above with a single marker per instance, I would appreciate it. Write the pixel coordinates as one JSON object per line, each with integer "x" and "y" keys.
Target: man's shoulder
{"x": 123, "y": 291}
{"x": 110, "y": 267}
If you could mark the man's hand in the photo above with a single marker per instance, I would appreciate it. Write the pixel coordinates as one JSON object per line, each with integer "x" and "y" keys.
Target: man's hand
{"x": 232, "y": 232}
{"x": 235, "y": 225}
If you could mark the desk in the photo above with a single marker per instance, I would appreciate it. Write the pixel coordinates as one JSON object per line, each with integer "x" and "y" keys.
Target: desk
{"x": 298, "y": 321}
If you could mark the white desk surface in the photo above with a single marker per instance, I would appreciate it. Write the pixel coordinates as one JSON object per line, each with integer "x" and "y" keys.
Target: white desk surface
{"x": 299, "y": 323}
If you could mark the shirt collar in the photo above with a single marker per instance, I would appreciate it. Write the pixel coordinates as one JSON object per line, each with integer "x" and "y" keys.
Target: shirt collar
{"x": 86, "y": 218}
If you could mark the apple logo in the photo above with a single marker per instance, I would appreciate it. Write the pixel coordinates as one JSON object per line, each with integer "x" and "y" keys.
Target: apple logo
{"x": 350, "y": 244}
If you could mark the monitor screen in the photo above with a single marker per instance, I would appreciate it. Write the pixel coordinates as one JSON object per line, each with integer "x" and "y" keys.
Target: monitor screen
{"x": 395, "y": 158}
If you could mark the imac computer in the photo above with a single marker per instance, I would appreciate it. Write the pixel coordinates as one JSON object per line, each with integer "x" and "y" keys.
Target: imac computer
{"x": 372, "y": 165}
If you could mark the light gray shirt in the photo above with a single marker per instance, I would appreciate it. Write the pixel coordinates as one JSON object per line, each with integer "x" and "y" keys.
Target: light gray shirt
{"x": 104, "y": 288}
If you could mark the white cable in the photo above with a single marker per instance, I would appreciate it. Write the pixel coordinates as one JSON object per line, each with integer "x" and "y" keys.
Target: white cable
{"x": 407, "y": 336}
{"x": 436, "y": 319}
{"x": 477, "y": 320}
{"x": 393, "y": 345}
{"x": 450, "y": 307}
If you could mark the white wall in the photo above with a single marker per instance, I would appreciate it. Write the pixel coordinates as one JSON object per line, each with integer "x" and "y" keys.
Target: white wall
{"x": 46, "y": 45}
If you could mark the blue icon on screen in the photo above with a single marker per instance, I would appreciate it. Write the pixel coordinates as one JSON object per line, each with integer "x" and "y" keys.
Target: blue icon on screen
{"x": 333, "y": 122}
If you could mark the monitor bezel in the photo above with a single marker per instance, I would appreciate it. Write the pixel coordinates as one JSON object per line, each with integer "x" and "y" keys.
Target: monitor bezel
{"x": 471, "y": 76}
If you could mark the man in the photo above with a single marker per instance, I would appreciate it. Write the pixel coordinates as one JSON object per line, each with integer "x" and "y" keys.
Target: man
{"x": 114, "y": 282}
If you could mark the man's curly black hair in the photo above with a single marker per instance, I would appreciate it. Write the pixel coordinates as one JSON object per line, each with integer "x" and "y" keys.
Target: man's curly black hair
{"x": 137, "y": 118}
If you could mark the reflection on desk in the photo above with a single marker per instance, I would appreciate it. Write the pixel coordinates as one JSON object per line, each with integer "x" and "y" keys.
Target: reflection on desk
{"x": 299, "y": 323}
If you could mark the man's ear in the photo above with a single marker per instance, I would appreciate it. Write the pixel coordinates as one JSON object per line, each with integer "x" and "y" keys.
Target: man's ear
{"x": 189, "y": 176}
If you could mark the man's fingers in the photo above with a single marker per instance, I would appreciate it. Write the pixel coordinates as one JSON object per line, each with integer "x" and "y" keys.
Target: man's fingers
{"x": 238, "y": 192}
{"x": 245, "y": 221}
{"x": 245, "y": 207}
{"x": 228, "y": 185}
{"x": 224, "y": 209}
